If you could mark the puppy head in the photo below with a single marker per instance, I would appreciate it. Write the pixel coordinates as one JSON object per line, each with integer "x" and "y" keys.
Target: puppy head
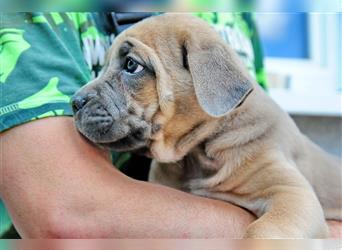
{"x": 163, "y": 78}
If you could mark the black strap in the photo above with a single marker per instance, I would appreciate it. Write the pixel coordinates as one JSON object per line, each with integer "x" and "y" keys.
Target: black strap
{"x": 122, "y": 20}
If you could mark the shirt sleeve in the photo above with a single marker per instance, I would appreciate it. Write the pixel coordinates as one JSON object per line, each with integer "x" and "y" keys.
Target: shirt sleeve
{"x": 41, "y": 65}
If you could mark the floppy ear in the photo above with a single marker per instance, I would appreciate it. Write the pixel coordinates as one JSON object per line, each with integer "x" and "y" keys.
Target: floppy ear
{"x": 220, "y": 84}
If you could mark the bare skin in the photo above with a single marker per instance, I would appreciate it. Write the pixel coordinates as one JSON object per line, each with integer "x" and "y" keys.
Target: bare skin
{"x": 57, "y": 185}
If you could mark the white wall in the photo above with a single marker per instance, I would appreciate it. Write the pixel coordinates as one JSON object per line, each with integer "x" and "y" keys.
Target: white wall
{"x": 323, "y": 130}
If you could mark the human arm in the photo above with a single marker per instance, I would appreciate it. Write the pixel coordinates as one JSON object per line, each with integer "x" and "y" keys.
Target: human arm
{"x": 335, "y": 228}
{"x": 56, "y": 185}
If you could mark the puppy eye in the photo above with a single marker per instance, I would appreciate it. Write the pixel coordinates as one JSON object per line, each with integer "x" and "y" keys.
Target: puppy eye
{"x": 132, "y": 67}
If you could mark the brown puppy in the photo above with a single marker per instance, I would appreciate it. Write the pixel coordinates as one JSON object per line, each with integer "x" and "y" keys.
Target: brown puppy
{"x": 174, "y": 89}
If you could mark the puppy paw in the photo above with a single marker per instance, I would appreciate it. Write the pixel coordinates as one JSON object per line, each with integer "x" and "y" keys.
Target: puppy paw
{"x": 268, "y": 230}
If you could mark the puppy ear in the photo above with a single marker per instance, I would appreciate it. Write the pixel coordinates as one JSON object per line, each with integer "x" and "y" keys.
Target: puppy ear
{"x": 220, "y": 84}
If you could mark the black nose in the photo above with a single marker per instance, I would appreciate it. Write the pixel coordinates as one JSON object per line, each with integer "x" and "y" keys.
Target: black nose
{"x": 78, "y": 102}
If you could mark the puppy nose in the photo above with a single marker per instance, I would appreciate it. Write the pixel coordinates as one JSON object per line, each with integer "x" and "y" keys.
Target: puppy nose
{"x": 79, "y": 101}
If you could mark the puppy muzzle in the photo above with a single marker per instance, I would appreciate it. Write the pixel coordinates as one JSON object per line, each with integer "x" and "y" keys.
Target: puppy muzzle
{"x": 105, "y": 121}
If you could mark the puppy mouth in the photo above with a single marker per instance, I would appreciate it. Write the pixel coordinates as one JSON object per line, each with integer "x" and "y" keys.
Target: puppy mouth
{"x": 116, "y": 131}
{"x": 134, "y": 141}
{"x": 94, "y": 125}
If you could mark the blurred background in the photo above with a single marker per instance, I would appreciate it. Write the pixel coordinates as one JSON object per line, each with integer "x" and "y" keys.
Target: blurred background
{"x": 302, "y": 56}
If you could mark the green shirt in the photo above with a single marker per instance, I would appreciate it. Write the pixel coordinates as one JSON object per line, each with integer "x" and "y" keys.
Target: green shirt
{"x": 44, "y": 59}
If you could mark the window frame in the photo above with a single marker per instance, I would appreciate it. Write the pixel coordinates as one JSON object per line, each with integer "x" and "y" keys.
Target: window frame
{"x": 320, "y": 73}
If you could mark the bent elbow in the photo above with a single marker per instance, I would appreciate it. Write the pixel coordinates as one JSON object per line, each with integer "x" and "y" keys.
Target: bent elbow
{"x": 62, "y": 225}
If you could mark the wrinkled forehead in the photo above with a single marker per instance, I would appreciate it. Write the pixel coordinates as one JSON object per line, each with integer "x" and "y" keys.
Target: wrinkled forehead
{"x": 129, "y": 46}
{"x": 146, "y": 49}
{"x": 158, "y": 28}
{"x": 164, "y": 29}
{"x": 164, "y": 35}
{"x": 144, "y": 37}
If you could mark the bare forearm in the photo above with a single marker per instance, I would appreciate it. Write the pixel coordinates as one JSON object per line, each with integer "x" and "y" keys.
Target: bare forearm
{"x": 160, "y": 212}
{"x": 335, "y": 228}
{"x": 182, "y": 215}
{"x": 57, "y": 185}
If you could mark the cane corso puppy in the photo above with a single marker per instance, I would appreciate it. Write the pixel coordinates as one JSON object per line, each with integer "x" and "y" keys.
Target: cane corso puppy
{"x": 174, "y": 90}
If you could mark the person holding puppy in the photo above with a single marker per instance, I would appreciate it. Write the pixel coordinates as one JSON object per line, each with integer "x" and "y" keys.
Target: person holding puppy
{"x": 55, "y": 184}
